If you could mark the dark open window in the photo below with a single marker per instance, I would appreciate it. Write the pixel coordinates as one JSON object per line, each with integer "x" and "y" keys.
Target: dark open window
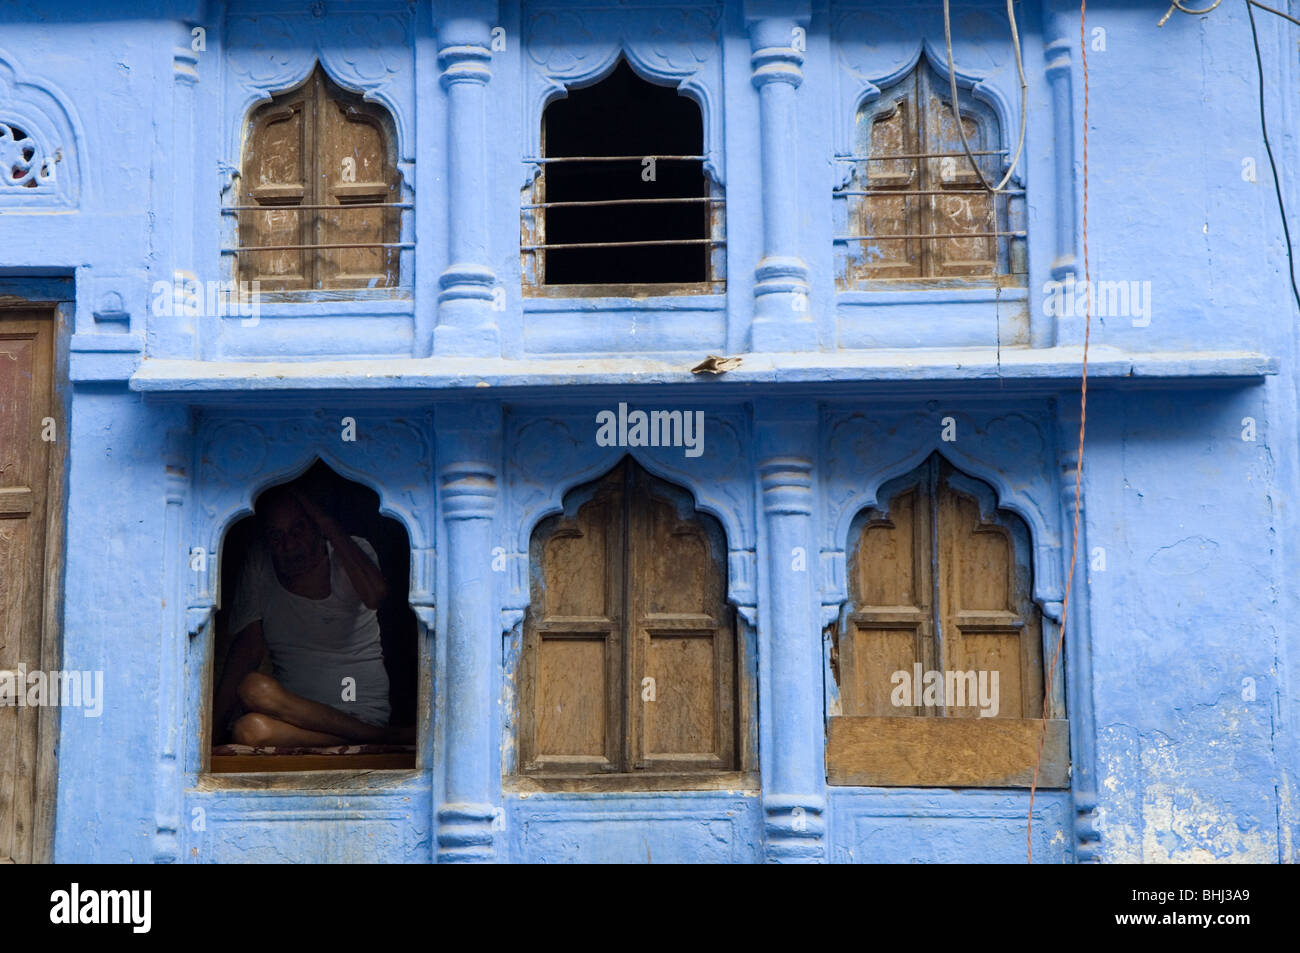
{"x": 622, "y": 197}
{"x": 939, "y": 656}
{"x": 913, "y": 206}
{"x": 355, "y": 508}
{"x": 319, "y": 190}
{"x": 630, "y": 658}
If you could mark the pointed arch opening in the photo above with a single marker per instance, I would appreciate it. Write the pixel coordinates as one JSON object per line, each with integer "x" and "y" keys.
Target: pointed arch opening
{"x": 938, "y": 658}
{"x": 319, "y": 586}
{"x": 629, "y": 665}
{"x": 319, "y": 199}
{"x": 913, "y": 207}
{"x": 623, "y": 199}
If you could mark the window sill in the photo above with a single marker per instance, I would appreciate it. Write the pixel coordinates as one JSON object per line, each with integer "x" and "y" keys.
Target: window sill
{"x": 623, "y": 324}
{"x": 933, "y": 290}
{"x": 631, "y": 783}
{"x": 697, "y": 297}
{"x": 307, "y": 782}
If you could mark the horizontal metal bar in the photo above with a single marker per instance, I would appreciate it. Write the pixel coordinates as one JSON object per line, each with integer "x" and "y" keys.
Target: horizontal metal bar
{"x": 232, "y": 251}
{"x": 886, "y": 238}
{"x": 923, "y": 155}
{"x": 666, "y": 241}
{"x": 620, "y": 202}
{"x": 549, "y": 160}
{"x": 280, "y": 208}
{"x": 926, "y": 192}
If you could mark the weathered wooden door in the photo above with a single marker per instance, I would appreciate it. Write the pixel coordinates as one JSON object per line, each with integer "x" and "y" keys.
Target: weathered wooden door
{"x": 629, "y": 654}
{"x": 30, "y": 489}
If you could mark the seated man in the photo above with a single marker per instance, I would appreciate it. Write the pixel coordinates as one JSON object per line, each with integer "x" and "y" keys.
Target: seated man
{"x": 307, "y": 594}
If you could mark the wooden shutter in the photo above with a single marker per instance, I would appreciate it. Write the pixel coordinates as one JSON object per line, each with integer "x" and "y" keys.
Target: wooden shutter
{"x": 892, "y": 625}
{"x": 29, "y": 486}
{"x": 277, "y": 177}
{"x": 917, "y": 119}
{"x": 969, "y": 207}
{"x": 356, "y": 168}
{"x": 681, "y": 635}
{"x": 311, "y": 153}
{"x": 628, "y": 588}
{"x": 937, "y": 582}
{"x": 893, "y": 132}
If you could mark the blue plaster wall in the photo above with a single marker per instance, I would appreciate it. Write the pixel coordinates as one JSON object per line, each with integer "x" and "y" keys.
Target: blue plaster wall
{"x": 475, "y": 420}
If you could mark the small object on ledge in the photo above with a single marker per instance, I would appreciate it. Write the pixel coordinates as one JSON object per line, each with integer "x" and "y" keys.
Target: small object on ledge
{"x": 716, "y": 365}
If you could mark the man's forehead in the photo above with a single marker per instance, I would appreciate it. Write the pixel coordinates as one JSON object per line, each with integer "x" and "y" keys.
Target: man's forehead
{"x": 283, "y": 509}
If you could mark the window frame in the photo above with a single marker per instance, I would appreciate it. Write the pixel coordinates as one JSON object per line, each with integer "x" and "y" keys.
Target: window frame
{"x": 923, "y": 80}
{"x": 945, "y": 751}
{"x": 532, "y": 252}
{"x": 741, "y": 775}
{"x": 318, "y": 91}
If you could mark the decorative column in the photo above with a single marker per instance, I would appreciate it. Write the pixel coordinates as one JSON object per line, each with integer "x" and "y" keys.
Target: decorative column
{"x": 1061, "y": 33}
{"x": 789, "y": 638}
{"x": 1077, "y": 654}
{"x": 466, "y": 323}
{"x": 782, "y": 308}
{"x": 467, "y": 456}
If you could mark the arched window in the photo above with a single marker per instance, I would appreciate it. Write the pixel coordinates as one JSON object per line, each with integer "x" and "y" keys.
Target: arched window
{"x": 623, "y": 198}
{"x": 629, "y": 656}
{"x": 914, "y": 206}
{"x": 305, "y": 612}
{"x": 939, "y": 660}
{"x": 319, "y": 190}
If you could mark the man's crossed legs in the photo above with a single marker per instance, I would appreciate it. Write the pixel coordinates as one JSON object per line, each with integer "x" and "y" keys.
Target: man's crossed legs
{"x": 278, "y": 717}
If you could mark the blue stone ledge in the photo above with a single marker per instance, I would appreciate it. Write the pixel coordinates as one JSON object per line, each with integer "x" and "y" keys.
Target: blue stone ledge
{"x": 1042, "y": 370}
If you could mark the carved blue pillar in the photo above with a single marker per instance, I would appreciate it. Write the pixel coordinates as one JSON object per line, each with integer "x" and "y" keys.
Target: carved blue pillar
{"x": 782, "y": 310}
{"x": 1077, "y": 654}
{"x": 1061, "y": 36}
{"x": 468, "y": 438}
{"x": 789, "y": 636}
{"x": 466, "y": 322}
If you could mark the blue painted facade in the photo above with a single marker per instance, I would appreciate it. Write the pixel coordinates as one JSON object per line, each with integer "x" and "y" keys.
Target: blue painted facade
{"x": 475, "y": 407}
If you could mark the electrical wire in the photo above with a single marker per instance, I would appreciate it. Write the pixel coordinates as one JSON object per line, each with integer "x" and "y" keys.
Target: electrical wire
{"x": 956, "y": 108}
{"x": 1279, "y": 13}
{"x": 1083, "y": 424}
{"x": 1263, "y": 125}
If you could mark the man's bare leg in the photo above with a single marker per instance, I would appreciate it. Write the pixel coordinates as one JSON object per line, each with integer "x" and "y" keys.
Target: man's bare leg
{"x": 263, "y": 731}
{"x": 263, "y": 695}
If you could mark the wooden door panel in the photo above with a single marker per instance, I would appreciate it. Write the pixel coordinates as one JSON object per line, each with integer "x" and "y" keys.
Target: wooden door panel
{"x": 571, "y": 691}
{"x": 356, "y": 168}
{"x": 891, "y": 628}
{"x": 629, "y": 654}
{"x": 275, "y": 178}
{"x": 681, "y": 635}
{"x": 26, "y": 479}
{"x": 986, "y": 612}
{"x": 681, "y": 720}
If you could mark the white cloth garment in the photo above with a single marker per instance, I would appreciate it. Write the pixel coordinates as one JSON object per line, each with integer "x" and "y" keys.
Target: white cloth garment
{"x": 315, "y": 644}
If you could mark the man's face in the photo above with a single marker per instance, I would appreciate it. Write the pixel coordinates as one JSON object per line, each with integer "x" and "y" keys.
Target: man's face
{"x": 296, "y": 544}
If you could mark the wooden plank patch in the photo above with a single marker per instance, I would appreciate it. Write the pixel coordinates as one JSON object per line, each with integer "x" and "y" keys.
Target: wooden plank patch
{"x": 946, "y": 752}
